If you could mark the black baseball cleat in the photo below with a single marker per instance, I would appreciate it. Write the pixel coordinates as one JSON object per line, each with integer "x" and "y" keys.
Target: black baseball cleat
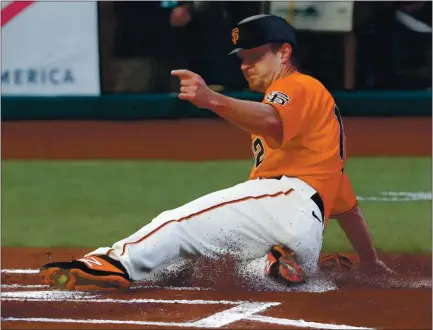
{"x": 94, "y": 273}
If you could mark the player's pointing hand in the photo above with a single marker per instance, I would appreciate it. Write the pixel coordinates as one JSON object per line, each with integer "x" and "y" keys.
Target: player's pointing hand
{"x": 193, "y": 88}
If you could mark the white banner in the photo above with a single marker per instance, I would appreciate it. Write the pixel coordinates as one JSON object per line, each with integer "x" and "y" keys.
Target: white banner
{"x": 50, "y": 48}
{"x": 325, "y": 16}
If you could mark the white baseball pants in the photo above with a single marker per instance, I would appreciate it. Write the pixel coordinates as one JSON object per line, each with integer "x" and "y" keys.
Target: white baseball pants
{"x": 243, "y": 221}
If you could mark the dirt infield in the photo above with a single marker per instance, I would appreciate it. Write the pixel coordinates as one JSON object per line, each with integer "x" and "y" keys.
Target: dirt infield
{"x": 199, "y": 139}
{"x": 404, "y": 303}
{"x": 213, "y": 300}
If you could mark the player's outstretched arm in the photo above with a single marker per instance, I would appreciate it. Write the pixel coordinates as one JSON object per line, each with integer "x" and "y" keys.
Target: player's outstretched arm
{"x": 355, "y": 227}
{"x": 254, "y": 117}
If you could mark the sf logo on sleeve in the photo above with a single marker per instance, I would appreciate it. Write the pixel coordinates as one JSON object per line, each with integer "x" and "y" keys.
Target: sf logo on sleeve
{"x": 278, "y": 98}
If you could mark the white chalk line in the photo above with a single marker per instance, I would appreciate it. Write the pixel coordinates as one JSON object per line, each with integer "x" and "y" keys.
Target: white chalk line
{"x": 20, "y": 271}
{"x": 24, "y": 286}
{"x": 78, "y": 297}
{"x": 389, "y": 283}
{"x": 127, "y": 302}
{"x": 302, "y": 323}
{"x": 171, "y": 288}
{"x": 398, "y": 196}
{"x": 417, "y": 284}
{"x": 174, "y": 288}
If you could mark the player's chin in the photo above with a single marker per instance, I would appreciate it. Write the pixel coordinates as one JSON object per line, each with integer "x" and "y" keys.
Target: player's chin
{"x": 255, "y": 86}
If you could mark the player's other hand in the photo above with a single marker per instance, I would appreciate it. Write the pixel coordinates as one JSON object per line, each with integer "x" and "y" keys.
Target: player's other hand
{"x": 375, "y": 267}
{"x": 193, "y": 88}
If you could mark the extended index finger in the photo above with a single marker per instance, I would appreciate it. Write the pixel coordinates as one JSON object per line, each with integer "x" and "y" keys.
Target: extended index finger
{"x": 182, "y": 73}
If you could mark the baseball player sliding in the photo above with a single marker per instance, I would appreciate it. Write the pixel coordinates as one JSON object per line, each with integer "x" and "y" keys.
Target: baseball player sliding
{"x": 298, "y": 145}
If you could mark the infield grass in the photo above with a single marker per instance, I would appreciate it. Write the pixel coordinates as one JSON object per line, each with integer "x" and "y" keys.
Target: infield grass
{"x": 96, "y": 203}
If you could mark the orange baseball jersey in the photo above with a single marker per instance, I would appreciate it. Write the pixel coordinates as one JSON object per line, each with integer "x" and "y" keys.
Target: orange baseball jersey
{"x": 313, "y": 148}
{"x": 346, "y": 198}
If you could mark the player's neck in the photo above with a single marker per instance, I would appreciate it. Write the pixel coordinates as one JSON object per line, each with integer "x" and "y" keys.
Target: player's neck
{"x": 285, "y": 71}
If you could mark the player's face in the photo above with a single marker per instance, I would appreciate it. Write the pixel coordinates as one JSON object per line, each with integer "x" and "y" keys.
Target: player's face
{"x": 259, "y": 66}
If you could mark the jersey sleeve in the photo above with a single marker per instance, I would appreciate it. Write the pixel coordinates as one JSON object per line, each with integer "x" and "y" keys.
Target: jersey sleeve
{"x": 288, "y": 103}
{"x": 346, "y": 198}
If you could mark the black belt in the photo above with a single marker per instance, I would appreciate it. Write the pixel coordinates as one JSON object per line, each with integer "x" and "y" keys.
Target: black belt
{"x": 315, "y": 198}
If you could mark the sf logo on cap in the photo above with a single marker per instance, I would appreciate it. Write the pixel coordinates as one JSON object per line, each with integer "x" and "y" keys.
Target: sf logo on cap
{"x": 235, "y": 35}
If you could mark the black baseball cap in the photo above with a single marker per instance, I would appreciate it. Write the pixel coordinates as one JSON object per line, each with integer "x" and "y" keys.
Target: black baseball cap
{"x": 260, "y": 30}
